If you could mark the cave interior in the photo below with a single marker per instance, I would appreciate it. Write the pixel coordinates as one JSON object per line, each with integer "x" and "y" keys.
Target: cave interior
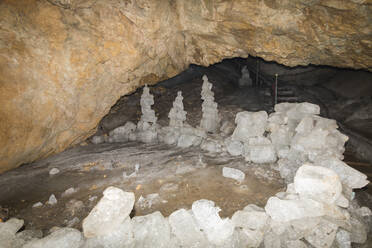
{"x": 62, "y": 189}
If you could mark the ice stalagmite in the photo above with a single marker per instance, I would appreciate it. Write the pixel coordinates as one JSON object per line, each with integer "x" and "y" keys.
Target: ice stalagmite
{"x": 210, "y": 120}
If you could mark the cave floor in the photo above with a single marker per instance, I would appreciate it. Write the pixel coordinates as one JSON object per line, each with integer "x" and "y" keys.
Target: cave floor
{"x": 178, "y": 176}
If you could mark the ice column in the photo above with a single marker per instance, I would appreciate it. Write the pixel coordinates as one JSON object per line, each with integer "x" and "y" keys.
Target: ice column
{"x": 245, "y": 80}
{"x": 210, "y": 119}
{"x": 177, "y": 115}
{"x": 146, "y": 127}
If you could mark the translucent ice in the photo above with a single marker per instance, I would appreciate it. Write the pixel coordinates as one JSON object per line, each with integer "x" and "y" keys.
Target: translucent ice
{"x": 110, "y": 212}
{"x": 177, "y": 115}
{"x": 318, "y": 183}
{"x": 151, "y": 230}
{"x": 287, "y": 210}
{"x": 53, "y": 171}
{"x": 233, "y": 173}
{"x": 52, "y": 200}
{"x": 185, "y": 228}
{"x": 210, "y": 119}
{"x": 62, "y": 238}
{"x": 251, "y": 217}
{"x": 8, "y": 230}
{"x": 122, "y": 236}
{"x": 249, "y": 124}
{"x": 121, "y": 134}
{"x": 322, "y": 235}
{"x": 206, "y": 214}
{"x": 234, "y": 147}
{"x": 348, "y": 175}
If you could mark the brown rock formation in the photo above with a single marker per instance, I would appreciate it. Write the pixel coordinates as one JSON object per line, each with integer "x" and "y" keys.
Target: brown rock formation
{"x": 64, "y": 63}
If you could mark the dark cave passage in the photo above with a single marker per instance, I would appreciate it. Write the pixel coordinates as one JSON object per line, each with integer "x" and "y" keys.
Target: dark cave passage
{"x": 343, "y": 94}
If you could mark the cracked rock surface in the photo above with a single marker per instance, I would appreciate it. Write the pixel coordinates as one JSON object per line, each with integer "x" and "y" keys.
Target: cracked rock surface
{"x": 65, "y": 63}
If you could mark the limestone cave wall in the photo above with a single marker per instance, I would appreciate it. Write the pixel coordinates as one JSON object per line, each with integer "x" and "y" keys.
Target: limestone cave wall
{"x": 64, "y": 63}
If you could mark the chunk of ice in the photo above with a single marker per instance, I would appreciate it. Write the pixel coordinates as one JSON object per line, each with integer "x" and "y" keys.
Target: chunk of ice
{"x": 110, "y": 212}
{"x": 148, "y": 200}
{"x": 62, "y": 238}
{"x": 322, "y": 235}
{"x": 69, "y": 191}
{"x": 251, "y": 217}
{"x": 185, "y": 228}
{"x": 235, "y": 174}
{"x": 37, "y": 205}
{"x": 343, "y": 239}
{"x": 53, "y": 171}
{"x": 234, "y": 147}
{"x": 217, "y": 230}
{"x": 348, "y": 175}
{"x": 151, "y": 230}
{"x": 287, "y": 210}
{"x": 52, "y": 200}
{"x": 317, "y": 183}
{"x": 249, "y": 124}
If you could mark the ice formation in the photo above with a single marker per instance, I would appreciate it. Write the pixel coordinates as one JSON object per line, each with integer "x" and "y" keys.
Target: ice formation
{"x": 249, "y": 124}
{"x": 233, "y": 173}
{"x": 186, "y": 230}
{"x": 53, "y": 171}
{"x": 210, "y": 120}
{"x": 177, "y": 115}
{"x": 122, "y": 133}
{"x": 62, "y": 238}
{"x": 110, "y": 212}
{"x": 52, "y": 200}
{"x": 145, "y": 131}
{"x": 179, "y": 132}
{"x": 300, "y": 135}
{"x": 147, "y": 127}
{"x": 245, "y": 79}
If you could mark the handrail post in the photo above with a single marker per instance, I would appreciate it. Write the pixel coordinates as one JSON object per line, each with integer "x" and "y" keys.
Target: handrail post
{"x": 257, "y": 70}
{"x": 276, "y": 88}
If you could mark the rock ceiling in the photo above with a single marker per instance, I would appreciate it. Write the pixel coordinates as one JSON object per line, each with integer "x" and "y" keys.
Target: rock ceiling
{"x": 64, "y": 63}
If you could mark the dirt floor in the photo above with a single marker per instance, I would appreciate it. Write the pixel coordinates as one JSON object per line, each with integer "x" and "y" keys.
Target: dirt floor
{"x": 168, "y": 178}
{"x": 178, "y": 176}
